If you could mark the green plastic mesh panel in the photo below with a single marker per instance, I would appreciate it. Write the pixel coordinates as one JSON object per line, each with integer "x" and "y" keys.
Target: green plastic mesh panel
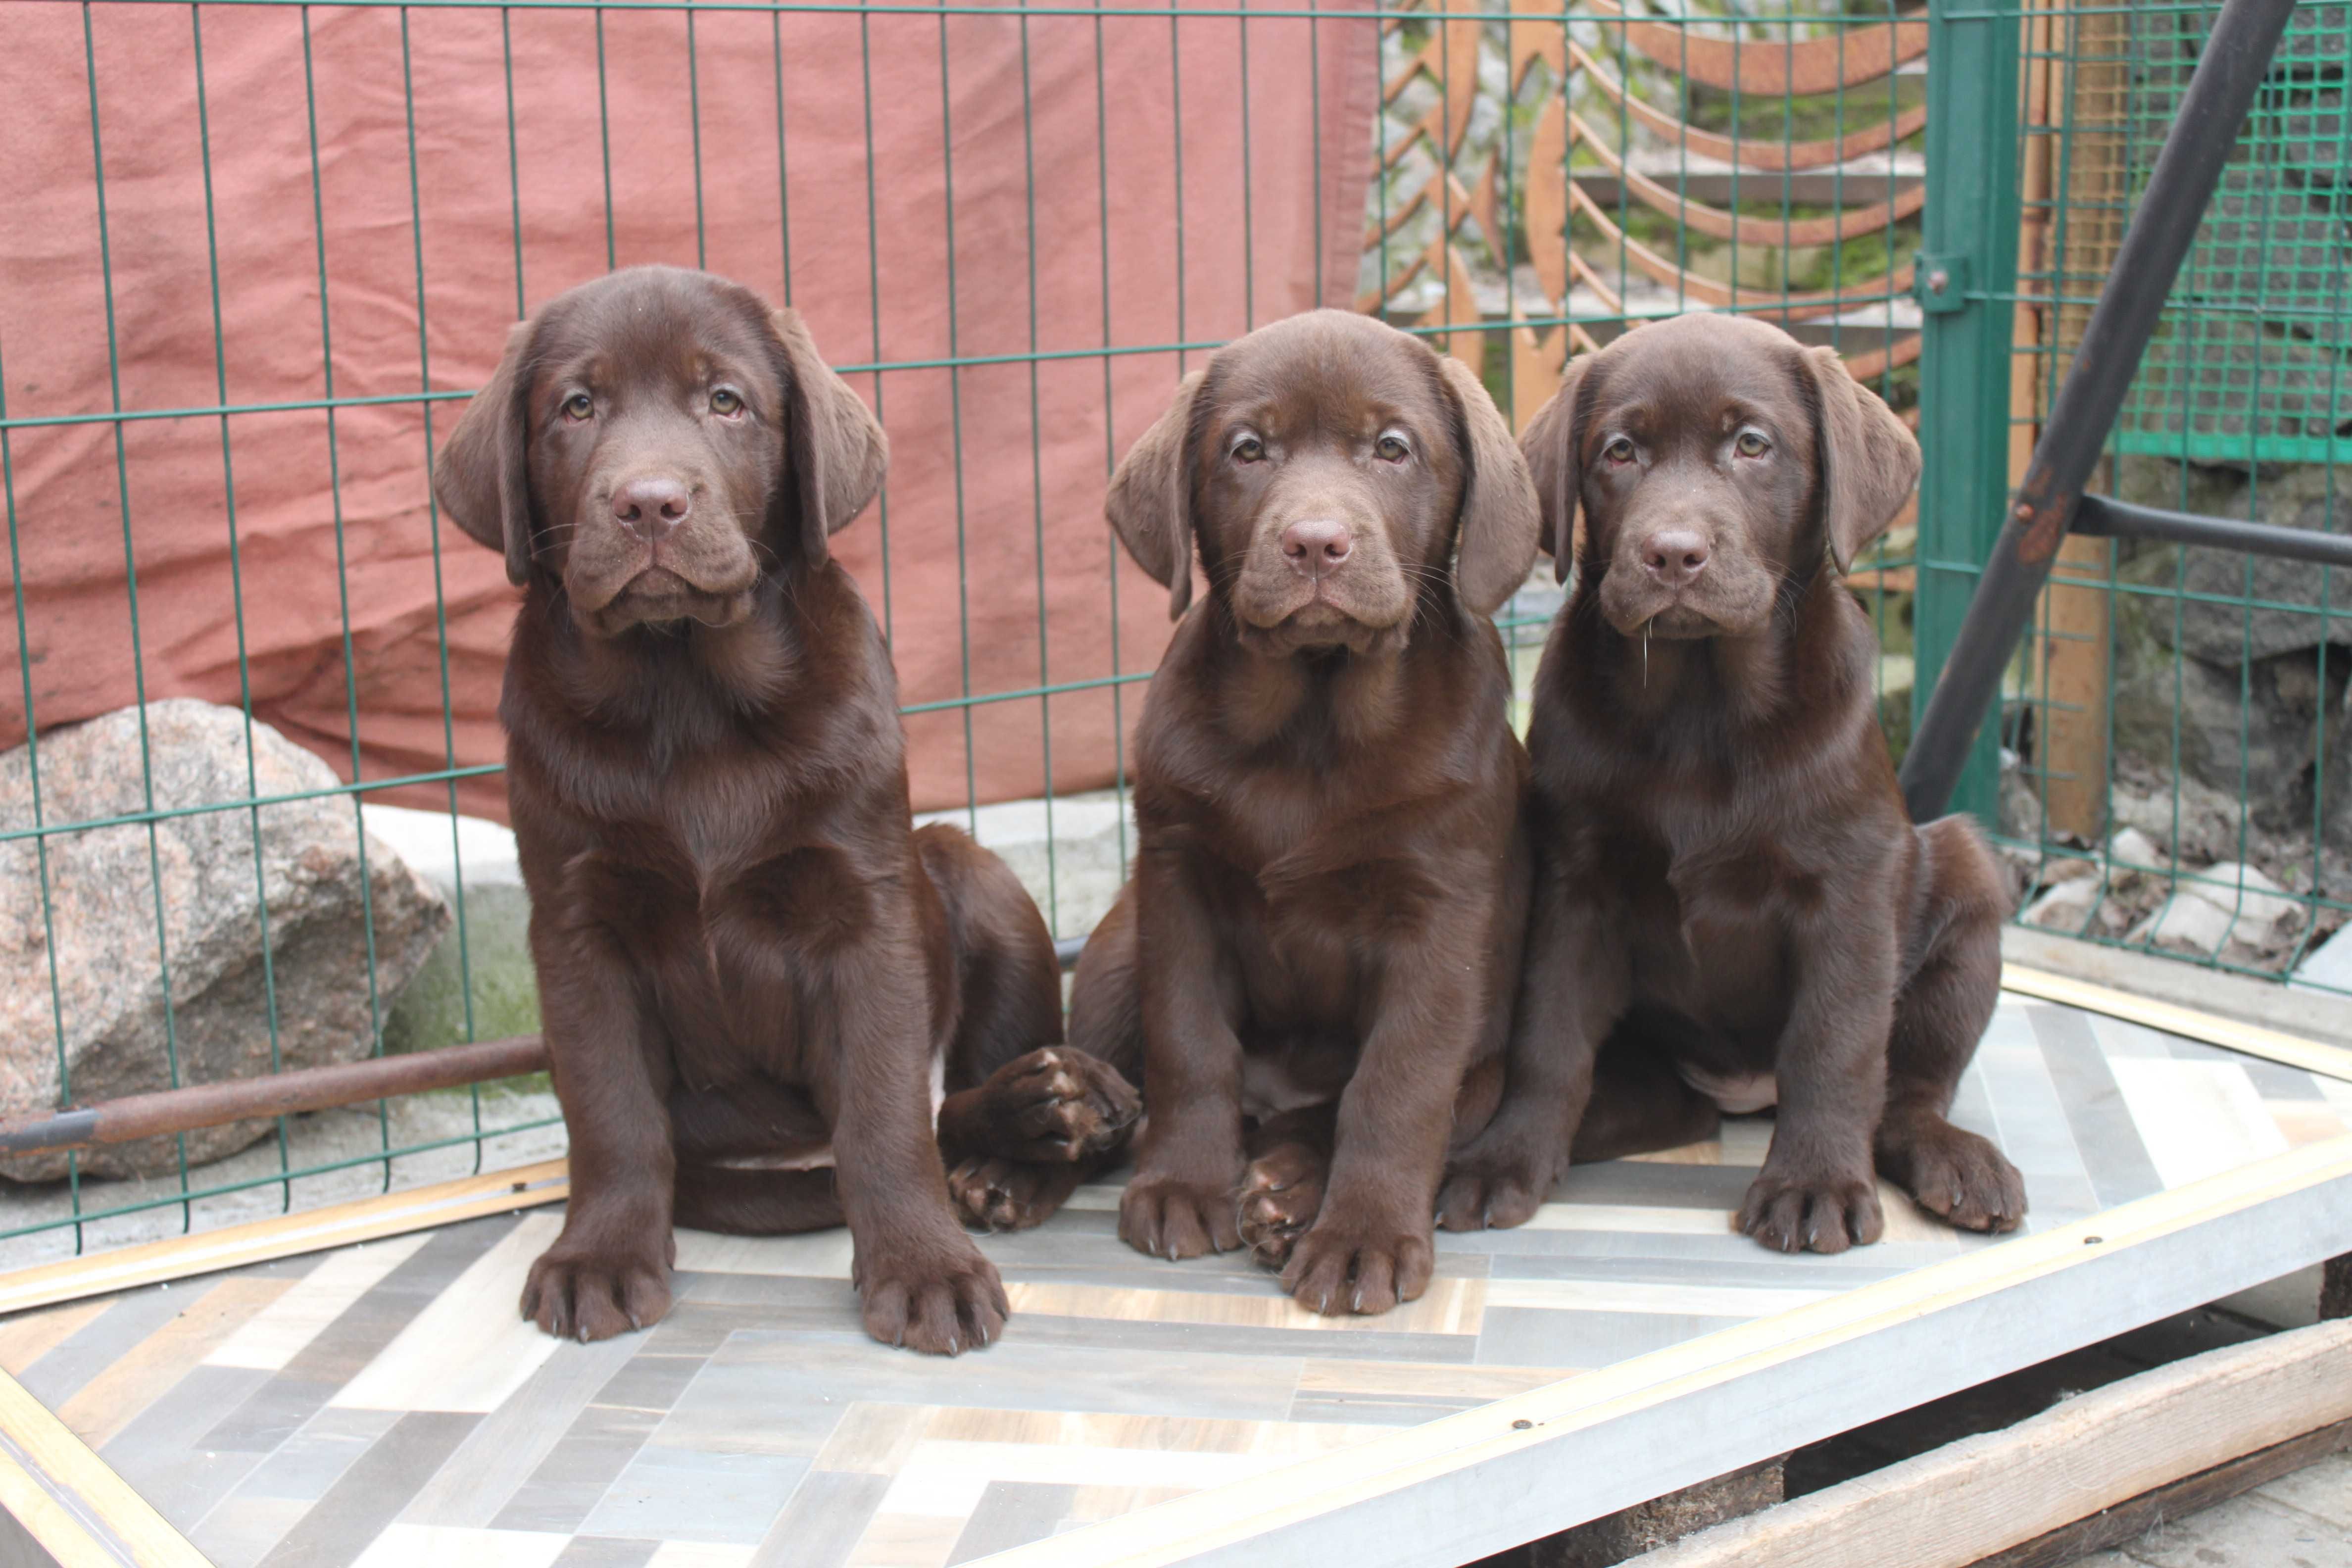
{"x": 2248, "y": 366}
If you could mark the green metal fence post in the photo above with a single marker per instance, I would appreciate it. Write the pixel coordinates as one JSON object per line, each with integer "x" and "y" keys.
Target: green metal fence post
{"x": 1966, "y": 282}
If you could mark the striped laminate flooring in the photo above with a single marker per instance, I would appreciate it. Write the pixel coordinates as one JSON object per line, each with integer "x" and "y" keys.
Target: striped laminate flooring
{"x": 384, "y": 1406}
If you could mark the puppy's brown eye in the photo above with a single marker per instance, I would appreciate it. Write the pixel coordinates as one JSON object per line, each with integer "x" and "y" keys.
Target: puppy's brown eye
{"x": 579, "y": 405}
{"x": 1619, "y": 451}
{"x": 1751, "y": 444}
{"x": 1392, "y": 449}
{"x": 724, "y": 401}
{"x": 1249, "y": 449}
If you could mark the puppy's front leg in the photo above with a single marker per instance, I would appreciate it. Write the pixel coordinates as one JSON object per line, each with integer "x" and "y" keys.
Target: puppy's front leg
{"x": 609, "y": 1270}
{"x": 1573, "y": 985}
{"x": 1372, "y": 1245}
{"x": 1817, "y": 1189}
{"x": 920, "y": 1281}
{"x": 1182, "y": 1201}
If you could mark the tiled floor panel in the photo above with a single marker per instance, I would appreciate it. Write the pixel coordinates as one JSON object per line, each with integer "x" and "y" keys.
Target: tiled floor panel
{"x": 384, "y": 1405}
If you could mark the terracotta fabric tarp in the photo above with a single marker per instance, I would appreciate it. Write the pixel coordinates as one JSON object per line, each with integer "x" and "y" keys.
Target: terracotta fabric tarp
{"x": 988, "y": 508}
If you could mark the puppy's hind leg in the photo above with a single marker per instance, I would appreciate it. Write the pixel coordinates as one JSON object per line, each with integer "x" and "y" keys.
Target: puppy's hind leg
{"x": 752, "y": 1160}
{"x": 1938, "y": 1019}
{"x": 1281, "y": 1191}
{"x": 1027, "y": 1123}
{"x": 736, "y": 1202}
{"x": 1639, "y": 1104}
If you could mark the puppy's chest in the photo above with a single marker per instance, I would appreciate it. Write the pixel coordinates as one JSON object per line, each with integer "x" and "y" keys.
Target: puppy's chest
{"x": 733, "y": 871}
{"x": 1296, "y": 857}
{"x": 1705, "y": 920}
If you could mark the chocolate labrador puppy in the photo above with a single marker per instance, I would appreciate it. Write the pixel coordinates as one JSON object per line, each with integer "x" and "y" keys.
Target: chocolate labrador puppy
{"x": 1315, "y": 957}
{"x": 1732, "y": 910}
{"x": 751, "y": 974}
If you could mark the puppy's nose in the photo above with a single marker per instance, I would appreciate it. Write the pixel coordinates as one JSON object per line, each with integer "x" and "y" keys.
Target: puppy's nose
{"x": 1316, "y": 547}
{"x": 651, "y": 507}
{"x": 1674, "y": 556}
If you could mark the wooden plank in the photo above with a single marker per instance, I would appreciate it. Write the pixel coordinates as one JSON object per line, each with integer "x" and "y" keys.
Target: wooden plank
{"x": 67, "y": 1500}
{"x": 1953, "y": 1506}
{"x": 2329, "y": 1061}
{"x": 2074, "y": 227}
{"x": 38, "y": 1532}
{"x": 1756, "y": 152}
{"x": 1533, "y": 1464}
{"x": 2306, "y": 1013}
{"x": 1723, "y": 223}
{"x": 2070, "y": 635}
{"x": 1849, "y": 56}
{"x": 234, "y": 1246}
{"x": 2124, "y": 1522}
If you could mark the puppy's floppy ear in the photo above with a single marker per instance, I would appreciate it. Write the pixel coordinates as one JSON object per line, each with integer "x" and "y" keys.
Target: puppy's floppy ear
{"x": 1869, "y": 461}
{"x": 1552, "y": 442}
{"x": 483, "y": 480}
{"x": 835, "y": 448}
{"x": 1150, "y": 499}
{"x": 1500, "y": 516}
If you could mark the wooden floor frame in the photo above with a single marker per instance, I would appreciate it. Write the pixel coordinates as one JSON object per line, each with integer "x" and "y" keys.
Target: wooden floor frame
{"x": 1467, "y": 1484}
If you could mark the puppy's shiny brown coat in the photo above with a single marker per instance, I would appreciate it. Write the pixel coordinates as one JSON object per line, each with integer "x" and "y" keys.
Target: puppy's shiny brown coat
{"x": 1315, "y": 957}
{"x": 1731, "y": 905}
{"x": 749, "y": 966}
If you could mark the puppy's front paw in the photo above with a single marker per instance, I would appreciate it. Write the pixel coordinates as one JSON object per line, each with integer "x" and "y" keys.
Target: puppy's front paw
{"x": 1282, "y": 1192}
{"x": 1170, "y": 1217}
{"x": 940, "y": 1298}
{"x": 1954, "y": 1174}
{"x": 1822, "y": 1211}
{"x": 1342, "y": 1266}
{"x": 1061, "y": 1103}
{"x": 587, "y": 1294}
{"x": 1494, "y": 1183}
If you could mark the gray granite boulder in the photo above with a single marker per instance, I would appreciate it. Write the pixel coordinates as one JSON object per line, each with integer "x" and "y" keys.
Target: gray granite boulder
{"x": 84, "y": 983}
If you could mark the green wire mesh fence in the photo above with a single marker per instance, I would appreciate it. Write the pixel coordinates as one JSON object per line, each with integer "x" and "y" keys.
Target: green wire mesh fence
{"x": 260, "y": 250}
{"x": 2175, "y": 776}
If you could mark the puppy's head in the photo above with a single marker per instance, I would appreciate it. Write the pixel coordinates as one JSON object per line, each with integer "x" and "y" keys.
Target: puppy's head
{"x": 1716, "y": 458}
{"x": 1326, "y": 467}
{"x": 655, "y": 441}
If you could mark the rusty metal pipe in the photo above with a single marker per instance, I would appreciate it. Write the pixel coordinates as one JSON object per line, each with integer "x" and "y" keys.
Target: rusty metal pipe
{"x": 170, "y": 1110}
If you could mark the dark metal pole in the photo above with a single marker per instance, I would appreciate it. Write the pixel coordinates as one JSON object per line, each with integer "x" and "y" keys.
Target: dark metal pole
{"x": 2103, "y": 518}
{"x": 2236, "y": 58}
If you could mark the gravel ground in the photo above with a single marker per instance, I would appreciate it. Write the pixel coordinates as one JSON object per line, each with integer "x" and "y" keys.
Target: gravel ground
{"x": 323, "y": 1138}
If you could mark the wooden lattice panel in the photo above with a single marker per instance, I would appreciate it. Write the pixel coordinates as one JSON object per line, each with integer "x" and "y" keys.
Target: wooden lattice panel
{"x": 1534, "y": 197}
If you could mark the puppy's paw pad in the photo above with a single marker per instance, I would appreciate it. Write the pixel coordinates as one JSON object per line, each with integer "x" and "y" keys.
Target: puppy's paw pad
{"x": 1066, "y": 1103}
{"x": 999, "y": 1195}
{"x": 1811, "y": 1213}
{"x": 938, "y": 1306}
{"x": 1281, "y": 1194}
{"x": 1961, "y": 1177}
{"x": 1172, "y": 1218}
{"x": 585, "y": 1296}
{"x": 1342, "y": 1270}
